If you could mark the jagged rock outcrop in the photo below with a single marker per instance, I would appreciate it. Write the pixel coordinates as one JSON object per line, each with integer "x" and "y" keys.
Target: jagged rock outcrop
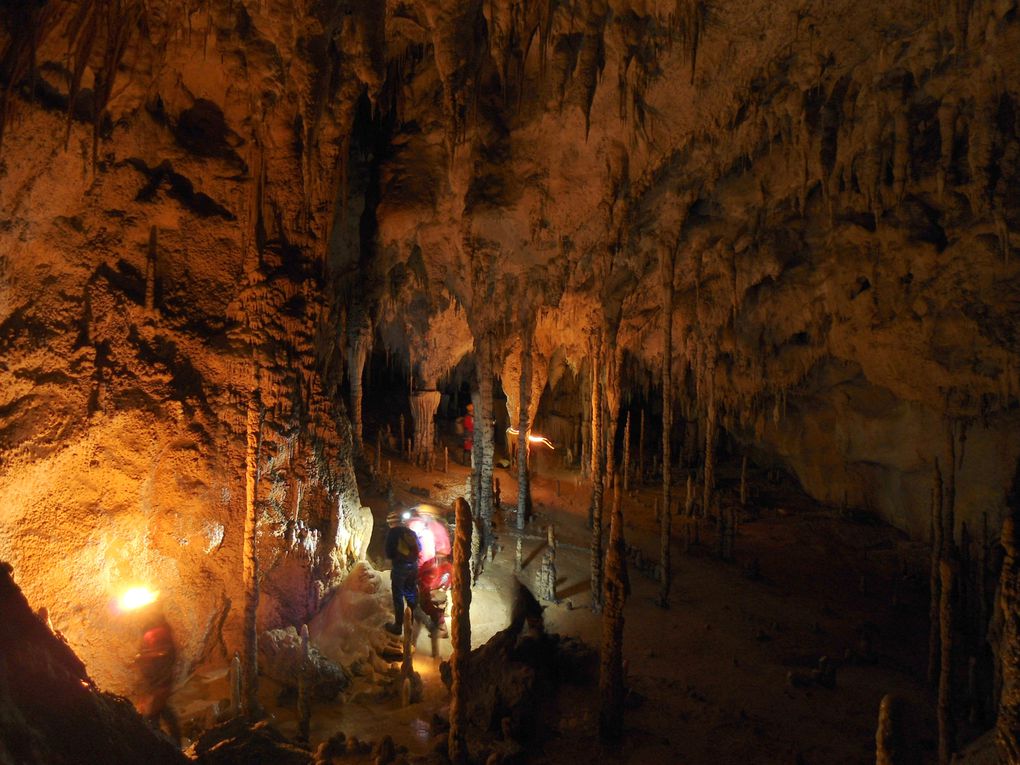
{"x": 280, "y": 658}
{"x": 510, "y": 684}
{"x": 51, "y": 710}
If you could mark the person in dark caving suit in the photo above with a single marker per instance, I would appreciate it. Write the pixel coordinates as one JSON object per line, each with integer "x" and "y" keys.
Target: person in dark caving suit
{"x": 402, "y": 548}
{"x": 157, "y": 655}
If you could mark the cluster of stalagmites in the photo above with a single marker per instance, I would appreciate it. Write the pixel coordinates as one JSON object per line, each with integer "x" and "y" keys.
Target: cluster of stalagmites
{"x": 974, "y": 641}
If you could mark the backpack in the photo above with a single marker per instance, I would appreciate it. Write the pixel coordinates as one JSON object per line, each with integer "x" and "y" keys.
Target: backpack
{"x": 407, "y": 544}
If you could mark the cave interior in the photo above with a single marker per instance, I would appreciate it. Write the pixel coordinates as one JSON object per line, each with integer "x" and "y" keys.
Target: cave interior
{"x": 695, "y": 324}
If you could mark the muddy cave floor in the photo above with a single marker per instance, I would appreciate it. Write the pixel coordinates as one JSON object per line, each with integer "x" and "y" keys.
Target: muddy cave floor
{"x": 711, "y": 674}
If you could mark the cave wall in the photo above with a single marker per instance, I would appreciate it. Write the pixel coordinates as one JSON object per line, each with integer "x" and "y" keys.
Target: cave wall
{"x": 832, "y": 180}
{"x": 159, "y": 264}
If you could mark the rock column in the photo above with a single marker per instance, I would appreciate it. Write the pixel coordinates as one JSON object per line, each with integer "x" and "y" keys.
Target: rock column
{"x": 461, "y": 635}
{"x": 611, "y": 680}
{"x": 249, "y": 669}
{"x": 424, "y": 404}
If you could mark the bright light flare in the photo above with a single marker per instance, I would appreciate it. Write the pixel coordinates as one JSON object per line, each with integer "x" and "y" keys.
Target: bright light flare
{"x": 136, "y": 597}
{"x": 533, "y": 438}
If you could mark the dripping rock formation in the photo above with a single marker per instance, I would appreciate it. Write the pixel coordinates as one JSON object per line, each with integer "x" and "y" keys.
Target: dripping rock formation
{"x": 205, "y": 200}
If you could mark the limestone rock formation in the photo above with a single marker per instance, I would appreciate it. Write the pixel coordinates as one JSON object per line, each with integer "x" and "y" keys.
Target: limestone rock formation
{"x": 281, "y": 657}
{"x": 199, "y": 199}
{"x": 51, "y": 710}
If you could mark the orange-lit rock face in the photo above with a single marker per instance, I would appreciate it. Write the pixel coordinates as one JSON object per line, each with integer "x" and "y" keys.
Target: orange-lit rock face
{"x": 833, "y": 178}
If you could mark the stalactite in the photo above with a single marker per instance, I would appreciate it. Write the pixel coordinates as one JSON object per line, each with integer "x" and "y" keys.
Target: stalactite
{"x": 626, "y": 453}
{"x": 611, "y": 681}
{"x": 1007, "y": 726}
{"x": 689, "y": 23}
{"x": 19, "y": 56}
{"x": 668, "y": 266}
{"x": 250, "y": 673}
{"x": 948, "y": 572}
{"x": 461, "y": 634}
{"x": 359, "y": 339}
{"x": 641, "y": 450}
{"x": 935, "y": 582}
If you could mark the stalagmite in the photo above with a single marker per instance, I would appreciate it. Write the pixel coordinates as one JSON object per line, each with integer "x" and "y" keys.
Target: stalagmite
{"x": 234, "y": 682}
{"x": 402, "y": 442}
{"x": 424, "y": 404}
{"x": 485, "y": 433}
{"x": 407, "y": 660}
{"x": 611, "y": 679}
{"x": 1007, "y": 727}
{"x": 597, "y": 480}
{"x": 250, "y": 671}
{"x": 948, "y": 572}
{"x": 689, "y": 520}
{"x": 710, "y": 421}
{"x": 611, "y": 396}
{"x": 597, "y": 452}
{"x": 523, "y": 430}
{"x": 547, "y": 574}
{"x": 935, "y": 583}
{"x": 668, "y": 265}
{"x": 359, "y": 338}
{"x": 304, "y": 704}
{"x": 890, "y": 745}
{"x": 461, "y": 634}
{"x": 949, "y": 509}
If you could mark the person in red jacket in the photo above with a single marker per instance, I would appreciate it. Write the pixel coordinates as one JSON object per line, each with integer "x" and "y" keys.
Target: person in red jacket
{"x": 157, "y": 655}
{"x": 469, "y": 433}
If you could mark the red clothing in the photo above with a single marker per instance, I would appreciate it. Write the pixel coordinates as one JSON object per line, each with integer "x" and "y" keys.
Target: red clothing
{"x": 469, "y": 432}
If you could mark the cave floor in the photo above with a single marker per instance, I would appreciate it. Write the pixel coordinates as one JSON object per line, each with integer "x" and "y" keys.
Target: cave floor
{"x": 710, "y": 676}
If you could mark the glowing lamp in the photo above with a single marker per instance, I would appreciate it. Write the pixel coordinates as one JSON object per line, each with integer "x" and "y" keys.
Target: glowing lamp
{"x": 136, "y": 597}
{"x": 533, "y": 438}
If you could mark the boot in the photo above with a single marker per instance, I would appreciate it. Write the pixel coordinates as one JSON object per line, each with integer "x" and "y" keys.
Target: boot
{"x": 425, "y": 619}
